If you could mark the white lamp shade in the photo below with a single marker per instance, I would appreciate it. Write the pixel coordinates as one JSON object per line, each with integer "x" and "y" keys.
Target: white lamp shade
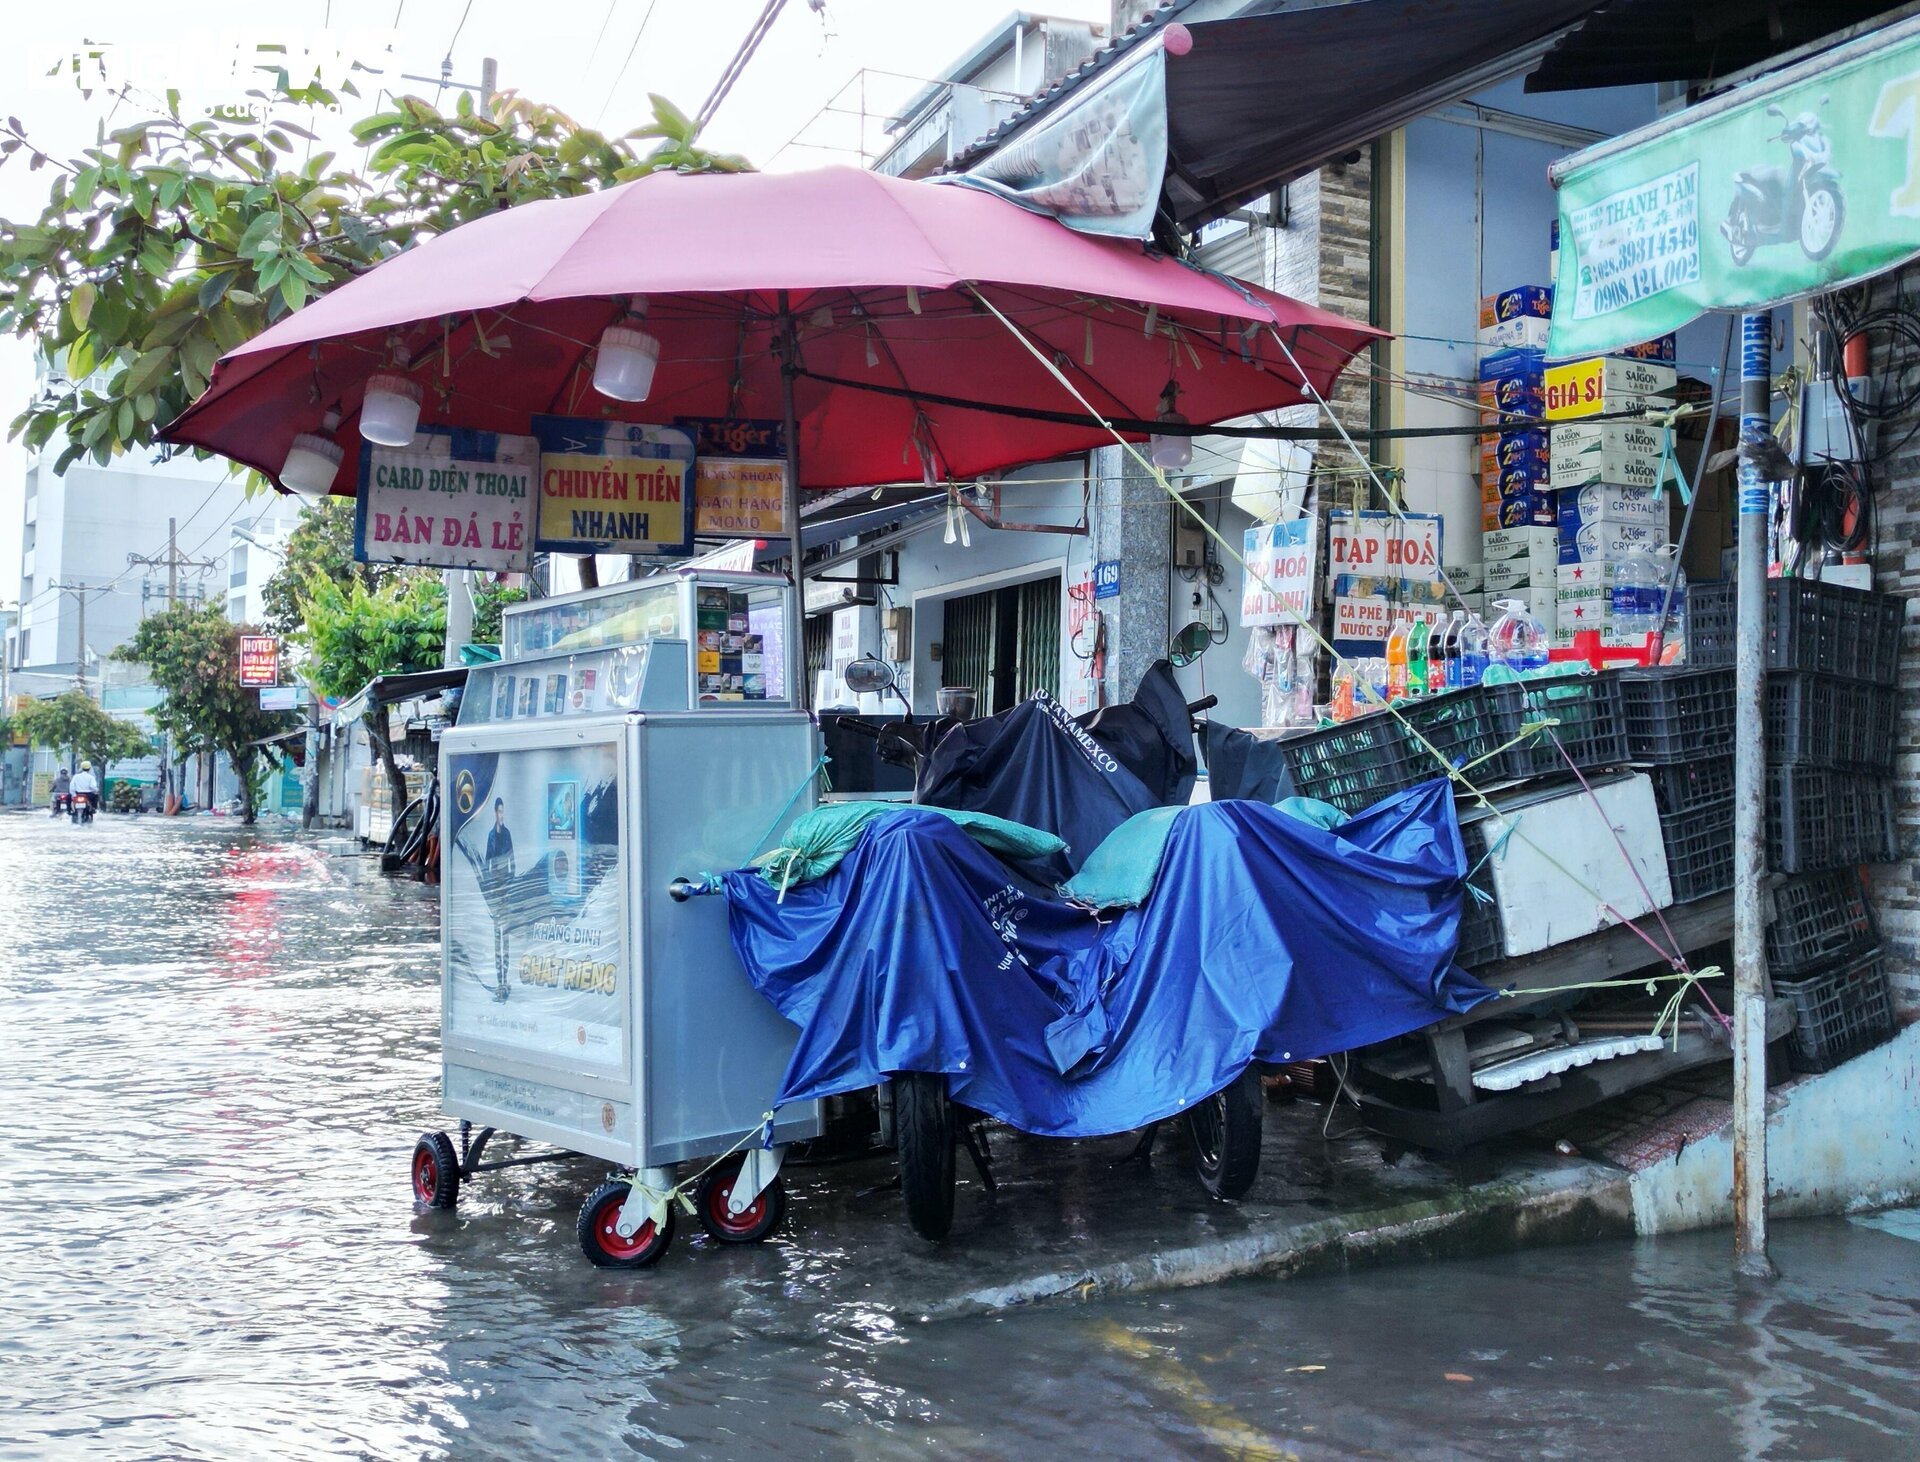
{"x": 390, "y": 411}
{"x": 623, "y": 368}
{"x": 1168, "y": 453}
{"x": 312, "y": 462}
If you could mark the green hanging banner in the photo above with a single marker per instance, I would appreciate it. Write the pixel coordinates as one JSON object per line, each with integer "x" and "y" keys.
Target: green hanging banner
{"x": 1796, "y": 184}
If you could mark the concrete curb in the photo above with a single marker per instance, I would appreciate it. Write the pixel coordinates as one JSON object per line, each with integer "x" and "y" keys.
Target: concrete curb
{"x": 1560, "y": 1206}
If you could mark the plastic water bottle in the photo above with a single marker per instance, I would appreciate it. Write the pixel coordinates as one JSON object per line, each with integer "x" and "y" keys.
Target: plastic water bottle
{"x": 1397, "y": 658}
{"x": 1473, "y": 651}
{"x": 1517, "y": 639}
{"x": 1635, "y": 596}
{"x": 1419, "y": 633}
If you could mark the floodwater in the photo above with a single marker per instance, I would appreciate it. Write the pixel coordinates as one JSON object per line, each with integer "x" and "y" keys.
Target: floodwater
{"x": 218, "y": 1049}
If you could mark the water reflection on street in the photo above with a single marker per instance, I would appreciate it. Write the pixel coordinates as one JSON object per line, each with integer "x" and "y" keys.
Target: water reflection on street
{"x": 219, "y": 1048}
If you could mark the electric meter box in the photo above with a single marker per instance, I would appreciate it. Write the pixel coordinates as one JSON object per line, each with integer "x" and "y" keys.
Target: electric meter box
{"x": 630, "y": 736}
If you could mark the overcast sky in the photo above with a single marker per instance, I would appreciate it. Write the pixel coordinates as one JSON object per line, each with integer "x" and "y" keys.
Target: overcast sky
{"x": 591, "y": 58}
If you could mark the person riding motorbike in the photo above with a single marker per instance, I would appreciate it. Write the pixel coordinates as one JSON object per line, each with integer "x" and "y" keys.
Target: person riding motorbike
{"x": 62, "y": 790}
{"x": 86, "y": 786}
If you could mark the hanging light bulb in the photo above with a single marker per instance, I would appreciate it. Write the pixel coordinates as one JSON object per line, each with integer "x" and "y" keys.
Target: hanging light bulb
{"x": 390, "y": 410}
{"x": 873, "y": 356}
{"x": 624, "y": 364}
{"x": 313, "y": 461}
{"x": 1170, "y": 453}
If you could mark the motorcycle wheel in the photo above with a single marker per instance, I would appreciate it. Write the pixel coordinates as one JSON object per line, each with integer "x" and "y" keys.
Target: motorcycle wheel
{"x": 924, "y": 1135}
{"x": 1739, "y": 232}
{"x": 1820, "y": 219}
{"x": 1225, "y": 1132}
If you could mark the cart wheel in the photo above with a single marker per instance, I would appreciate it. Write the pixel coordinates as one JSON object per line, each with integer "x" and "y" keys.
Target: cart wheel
{"x": 923, "y": 1132}
{"x": 753, "y": 1223}
{"x": 436, "y": 1171}
{"x": 1225, "y": 1129}
{"x": 600, "y": 1240}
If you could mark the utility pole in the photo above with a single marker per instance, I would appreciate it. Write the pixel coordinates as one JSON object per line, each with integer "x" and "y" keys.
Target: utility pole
{"x": 173, "y": 561}
{"x": 1749, "y": 811}
{"x": 80, "y": 592}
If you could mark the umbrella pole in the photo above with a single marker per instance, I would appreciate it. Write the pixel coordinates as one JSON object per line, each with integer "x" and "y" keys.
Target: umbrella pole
{"x": 795, "y": 647}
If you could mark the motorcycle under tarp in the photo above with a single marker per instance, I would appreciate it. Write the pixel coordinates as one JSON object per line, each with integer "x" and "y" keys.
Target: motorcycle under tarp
{"x": 1076, "y": 778}
{"x": 1265, "y": 938}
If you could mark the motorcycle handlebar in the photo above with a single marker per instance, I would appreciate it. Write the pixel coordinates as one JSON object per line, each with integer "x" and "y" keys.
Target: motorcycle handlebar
{"x": 1205, "y": 703}
{"x": 865, "y": 728}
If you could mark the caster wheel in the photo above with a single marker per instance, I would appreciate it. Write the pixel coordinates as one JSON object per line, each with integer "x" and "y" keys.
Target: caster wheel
{"x": 753, "y": 1223}
{"x": 600, "y": 1240}
{"x": 436, "y": 1171}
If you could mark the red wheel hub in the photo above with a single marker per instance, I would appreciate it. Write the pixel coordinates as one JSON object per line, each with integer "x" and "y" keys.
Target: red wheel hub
{"x": 606, "y": 1232}
{"x": 720, "y": 1194}
{"x": 426, "y": 1175}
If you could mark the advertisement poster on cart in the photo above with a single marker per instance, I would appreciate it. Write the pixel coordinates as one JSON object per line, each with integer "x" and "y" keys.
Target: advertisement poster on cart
{"x": 532, "y": 895}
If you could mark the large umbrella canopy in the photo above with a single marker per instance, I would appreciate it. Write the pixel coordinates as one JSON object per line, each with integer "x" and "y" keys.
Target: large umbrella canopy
{"x": 880, "y": 279}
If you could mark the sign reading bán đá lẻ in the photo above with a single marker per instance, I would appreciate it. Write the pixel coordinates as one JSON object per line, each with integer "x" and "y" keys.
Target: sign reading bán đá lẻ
{"x": 613, "y": 487}
{"x": 451, "y": 498}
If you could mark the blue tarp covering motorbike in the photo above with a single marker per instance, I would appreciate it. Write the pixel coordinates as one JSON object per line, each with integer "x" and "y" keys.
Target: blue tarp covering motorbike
{"x": 1264, "y": 938}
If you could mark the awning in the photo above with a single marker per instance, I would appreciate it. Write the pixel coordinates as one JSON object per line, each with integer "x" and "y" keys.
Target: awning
{"x": 384, "y": 690}
{"x": 1634, "y": 42}
{"x": 1256, "y": 101}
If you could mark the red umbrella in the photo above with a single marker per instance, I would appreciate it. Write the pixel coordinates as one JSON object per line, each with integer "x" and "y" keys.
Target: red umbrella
{"x": 879, "y": 280}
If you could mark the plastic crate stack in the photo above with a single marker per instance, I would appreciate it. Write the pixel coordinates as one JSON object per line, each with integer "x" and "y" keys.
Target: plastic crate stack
{"x": 1823, "y": 952}
{"x": 1832, "y": 657}
{"x": 1680, "y": 728}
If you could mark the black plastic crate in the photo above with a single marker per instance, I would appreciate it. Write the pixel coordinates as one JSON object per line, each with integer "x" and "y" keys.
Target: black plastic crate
{"x": 1352, "y": 765}
{"x": 1482, "y": 936}
{"x": 1808, "y": 626}
{"x": 1464, "y": 728}
{"x": 1684, "y": 786}
{"x": 1699, "y": 847}
{"x": 1590, "y": 724}
{"x": 1817, "y": 920}
{"x": 1677, "y": 714}
{"x": 1819, "y": 819}
{"x": 1829, "y": 721}
{"x": 1838, "y": 1014}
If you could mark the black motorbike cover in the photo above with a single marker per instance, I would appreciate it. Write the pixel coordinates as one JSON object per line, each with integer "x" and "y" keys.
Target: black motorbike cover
{"x": 1240, "y": 764}
{"x": 1037, "y": 765}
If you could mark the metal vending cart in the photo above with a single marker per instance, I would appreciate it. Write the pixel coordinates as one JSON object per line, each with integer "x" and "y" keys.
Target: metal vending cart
{"x": 630, "y": 734}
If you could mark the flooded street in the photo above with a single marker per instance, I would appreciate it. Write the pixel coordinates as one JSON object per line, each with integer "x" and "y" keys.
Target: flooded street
{"x": 219, "y": 1048}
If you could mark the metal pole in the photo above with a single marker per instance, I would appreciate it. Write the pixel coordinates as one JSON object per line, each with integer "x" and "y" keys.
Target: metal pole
{"x": 1693, "y": 497}
{"x": 1749, "y": 816}
{"x": 80, "y": 651}
{"x": 173, "y": 566}
{"x": 790, "y": 506}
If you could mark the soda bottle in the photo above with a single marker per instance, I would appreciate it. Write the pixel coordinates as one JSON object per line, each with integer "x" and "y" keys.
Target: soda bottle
{"x": 1418, "y": 636}
{"x": 1397, "y": 660}
{"x": 1473, "y": 651}
{"x": 1450, "y": 650}
{"x": 1342, "y": 705}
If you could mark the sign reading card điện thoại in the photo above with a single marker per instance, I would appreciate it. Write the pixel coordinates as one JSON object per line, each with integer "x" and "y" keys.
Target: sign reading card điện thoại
{"x": 451, "y": 498}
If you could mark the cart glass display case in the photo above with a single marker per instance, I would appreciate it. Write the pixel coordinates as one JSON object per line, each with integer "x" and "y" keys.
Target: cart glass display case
{"x": 631, "y": 735}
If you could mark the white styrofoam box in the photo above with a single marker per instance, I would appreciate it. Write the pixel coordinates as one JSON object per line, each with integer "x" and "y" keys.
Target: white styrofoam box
{"x": 1539, "y": 544}
{"x": 1627, "y": 452}
{"x": 1609, "y": 542}
{"x": 1562, "y": 867}
{"x": 1606, "y": 502}
{"x": 1515, "y": 573}
{"x": 1848, "y": 575}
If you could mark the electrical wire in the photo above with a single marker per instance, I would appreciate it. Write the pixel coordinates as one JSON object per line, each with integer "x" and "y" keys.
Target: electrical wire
{"x": 756, "y": 33}
{"x": 620, "y": 75}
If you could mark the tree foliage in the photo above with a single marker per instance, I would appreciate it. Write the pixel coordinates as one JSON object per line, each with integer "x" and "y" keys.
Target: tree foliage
{"x": 321, "y": 543}
{"x": 193, "y": 654}
{"x": 73, "y": 723}
{"x": 177, "y": 237}
{"x": 489, "y": 599}
{"x": 352, "y": 633}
